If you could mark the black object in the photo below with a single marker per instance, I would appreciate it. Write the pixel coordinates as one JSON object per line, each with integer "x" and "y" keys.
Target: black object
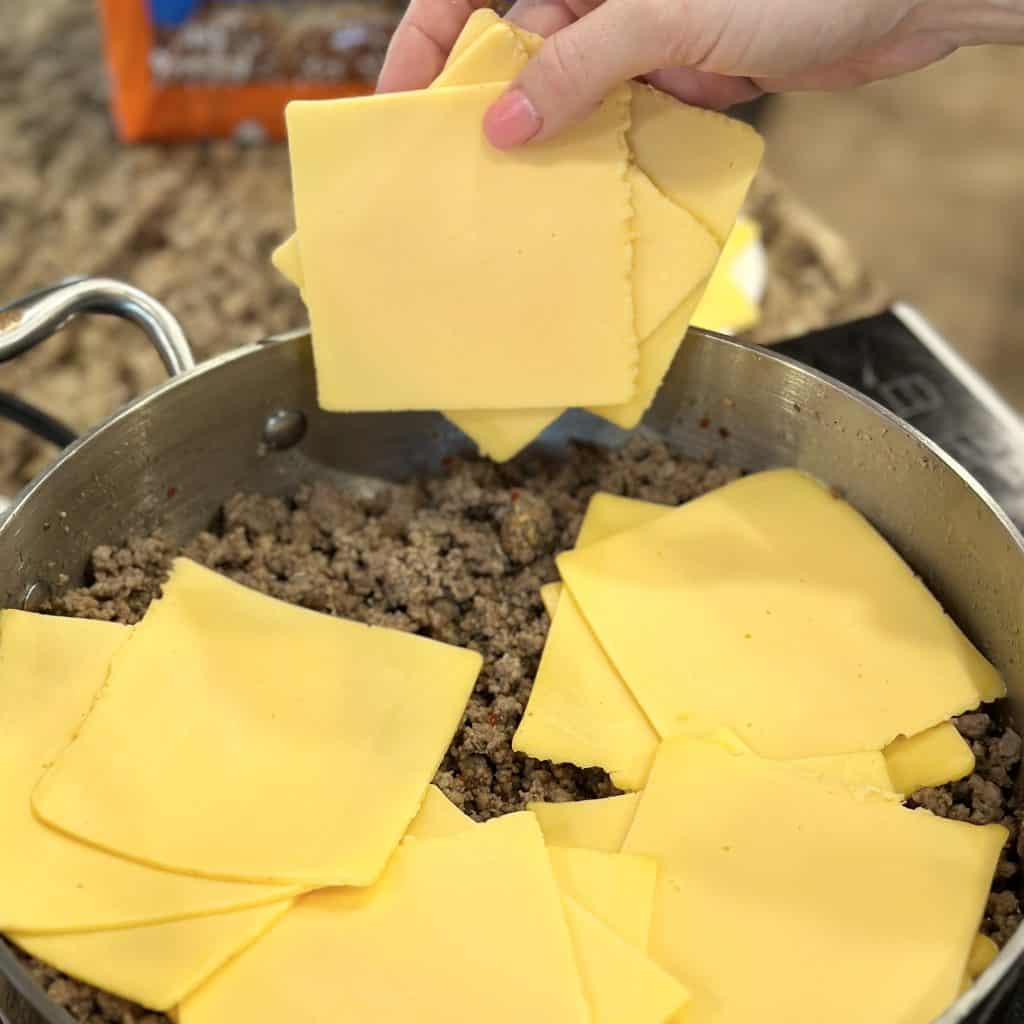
{"x": 40, "y": 423}
{"x": 900, "y": 361}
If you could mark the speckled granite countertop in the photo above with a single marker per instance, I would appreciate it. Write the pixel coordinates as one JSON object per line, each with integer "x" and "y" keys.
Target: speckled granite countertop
{"x": 194, "y": 225}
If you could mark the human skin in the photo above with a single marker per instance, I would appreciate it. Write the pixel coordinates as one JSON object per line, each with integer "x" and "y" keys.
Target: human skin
{"x": 711, "y": 53}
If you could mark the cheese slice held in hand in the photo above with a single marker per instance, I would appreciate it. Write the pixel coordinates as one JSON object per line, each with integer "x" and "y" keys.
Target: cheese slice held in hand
{"x": 52, "y": 668}
{"x": 778, "y": 895}
{"x": 673, "y": 253}
{"x": 445, "y": 935}
{"x": 240, "y": 737}
{"x": 459, "y": 296}
{"x": 733, "y": 577}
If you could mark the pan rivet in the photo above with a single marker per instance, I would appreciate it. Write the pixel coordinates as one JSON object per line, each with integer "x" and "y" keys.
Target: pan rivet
{"x": 283, "y": 429}
{"x": 37, "y": 596}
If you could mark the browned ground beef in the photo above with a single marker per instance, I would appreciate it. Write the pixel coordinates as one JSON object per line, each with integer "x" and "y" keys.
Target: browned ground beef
{"x": 462, "y": 558}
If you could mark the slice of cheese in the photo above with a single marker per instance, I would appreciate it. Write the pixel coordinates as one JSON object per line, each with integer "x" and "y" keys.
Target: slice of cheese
{"x": 450, "y": 933}
{"x": 549, "y": 595}
{"x": 983, "y": 952}
{"x": 698, "y": 158}
{"x": 502, "y": 435}
{"x": 51, "y": 669}
{"x": 732, "y": 578}
{"x": 477, "y": 24}
{"x": 863, "y": 770}
{"x": 551, "y": 726}
{"x": 621, "y": 982}
{"x": 579, "y": 710}
{"x": 287, "y": 262}
{"x": 779, "y": 895}
{"x": 657, "y": 353}
{"x": 587, "y": 824}
{"x": 725, "y": 305}
{"x": 673, "y": 257}
{"x": 488, "y": 317}
{"x": 615, "y": 887}
{"x": 491, "y": 53}
{"x": 931, "y": 758}
{"x": 154, "y": 965}
{"x": 609, "y": 514}
{"x": 668, "y": 237}
{"x": 241, "y": 737}
{"x": 438, "y": 817}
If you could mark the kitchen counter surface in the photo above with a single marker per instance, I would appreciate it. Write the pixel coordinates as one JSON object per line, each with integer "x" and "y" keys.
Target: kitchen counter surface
{"x": 194, "y": 226}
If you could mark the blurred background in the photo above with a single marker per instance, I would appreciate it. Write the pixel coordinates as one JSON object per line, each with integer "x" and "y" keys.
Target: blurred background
{"x": 136, "y": 141}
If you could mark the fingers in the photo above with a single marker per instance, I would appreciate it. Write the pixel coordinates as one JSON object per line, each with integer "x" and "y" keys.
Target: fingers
{"x": 545, "y": 17}
{"x": 422, "y": 42}
{"x": 542, "y": 17}
{"x": 704, "y": 89}
{"x": 576, "y": 68}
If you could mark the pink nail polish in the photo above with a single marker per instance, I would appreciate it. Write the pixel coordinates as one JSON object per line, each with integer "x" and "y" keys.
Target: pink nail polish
{"x": 511, "y": 121}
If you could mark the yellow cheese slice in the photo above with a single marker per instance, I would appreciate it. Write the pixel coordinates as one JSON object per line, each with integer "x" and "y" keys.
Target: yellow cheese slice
{"x": 732, "y": 578}
{"x": 287, "y": 262}
{"x": 488, "y": 317}
{"x": 587, "y": 824}
{"x": 552, "y": 723}
{"x": 51, "y": 669}
{"x": 667, "y": 239}
{"x": 725, "y": 306}
{"x": 463, "y": 929}
{"x": 549, "y": 594}
{"x": 241, "y": 737}
{"x": 607, "y": 899}
{"x": 154, "y": 965}
{"x": 657, "y": 354}
{"x": 779, "y": 895}
{"x": 615, "y": 887}
{"x": 438, "y": 817}
{"x": 859, "y": 769}
{"x": 621, "y": 982}
{"x": 502, "y": 435}
{"x": 478, "y": 23}
{"x": 487, "y": 51}
{"x": 609, "y": 514}
{"x": 983, "y": 952}
{"x": 673, "y": 256}
{"x": 579, "y": 710}
{"x": 862, "y": 770}
{"x": 699, "y": 159}
{"x": 931, "y": 758}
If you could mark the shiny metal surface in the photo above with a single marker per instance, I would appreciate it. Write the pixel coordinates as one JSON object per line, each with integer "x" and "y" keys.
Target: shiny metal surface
{"x": 173, "y": 457}
{"x": 34, "y": 318}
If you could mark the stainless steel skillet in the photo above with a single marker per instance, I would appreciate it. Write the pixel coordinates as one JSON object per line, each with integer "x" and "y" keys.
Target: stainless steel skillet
{"x": 248, "y": 420}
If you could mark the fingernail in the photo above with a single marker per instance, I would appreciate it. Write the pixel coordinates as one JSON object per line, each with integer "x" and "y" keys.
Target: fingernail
{"x": 512, "y": 121}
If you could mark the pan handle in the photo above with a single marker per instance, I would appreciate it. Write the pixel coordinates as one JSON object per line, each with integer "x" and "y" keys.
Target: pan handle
{"x": 32, "y": 319}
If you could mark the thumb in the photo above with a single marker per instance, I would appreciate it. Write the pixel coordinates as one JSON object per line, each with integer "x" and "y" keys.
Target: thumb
{"x": 572, "y": 73}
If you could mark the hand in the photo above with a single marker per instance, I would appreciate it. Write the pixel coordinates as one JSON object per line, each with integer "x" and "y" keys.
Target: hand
{"x": 712, "y": 53}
